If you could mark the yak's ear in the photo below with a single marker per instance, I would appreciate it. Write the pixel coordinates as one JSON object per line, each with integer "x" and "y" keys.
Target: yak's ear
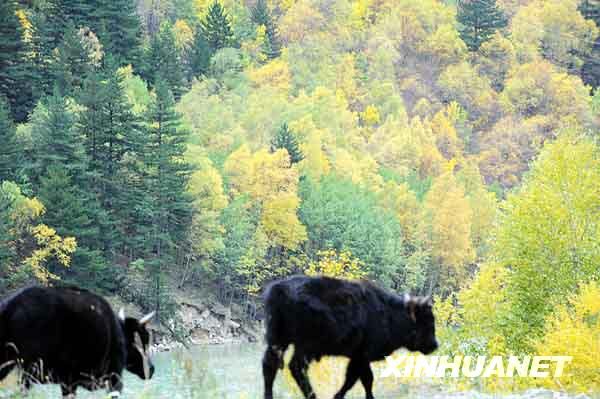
{"x": 411, "y": 305}
{"x": 122, "y": 314}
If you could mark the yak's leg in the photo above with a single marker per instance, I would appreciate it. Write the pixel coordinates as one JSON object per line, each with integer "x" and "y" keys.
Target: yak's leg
{"x": 272, "y": 360}
{"x": 6, "y": 366}
{"x": 68, "y": 391}
{"x": 299, "y": 369}
{"x": 26, "y": 383}
{"x": 352, "y": 375}
{"x": 366, "y": 378}
{"x": 115, "y": 385}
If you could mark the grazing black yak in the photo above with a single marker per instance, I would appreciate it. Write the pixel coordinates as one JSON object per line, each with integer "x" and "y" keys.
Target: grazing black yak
{"x": 71, "y": 337}
{"x": 325, "y": 316}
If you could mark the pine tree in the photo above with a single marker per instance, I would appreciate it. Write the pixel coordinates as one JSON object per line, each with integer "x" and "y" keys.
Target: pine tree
{"x": 71, "y": 64}
{"x": 478, "y": 20}
{"x": 168, "y": 171}
{"x": 119, "y": 29}
{"x": 167, "y": 176}
{"x": 199, "y": 56}
{"x": 110, "y": 131}
{"x": 590, "y": 9}
{"x": 285, "y": 139}
{"x": 45, "y": 37}
{"x": 162, "y": 61}
{"x": 65, "y": 205}
{"x": 56, "y": 139}
{"x": 10, "y": 150}
{"x": 13, "y": 62}
{"x": 74, "y": 12}
{"x": 262, "y": 16}
{"x": 68, "y": 211}
{"x": 590, "y": 71}
{"x": 217, "y": 28}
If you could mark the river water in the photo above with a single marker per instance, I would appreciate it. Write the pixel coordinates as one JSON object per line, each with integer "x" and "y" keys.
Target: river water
{"x": 234, "y": 372}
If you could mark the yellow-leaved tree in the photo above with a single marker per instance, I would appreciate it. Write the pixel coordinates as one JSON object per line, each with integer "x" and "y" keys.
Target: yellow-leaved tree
{"x": 548, "y": 234}
{"x": 448, "y": 220}
{"x": 574, "y": 330}
{"x": 271, "y": 183}
{"x": 26, "y": 246}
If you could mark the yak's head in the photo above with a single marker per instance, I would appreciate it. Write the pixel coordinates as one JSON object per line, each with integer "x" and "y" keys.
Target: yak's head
{"x": 137, "y": 339}
{"x": 421, "y": 336}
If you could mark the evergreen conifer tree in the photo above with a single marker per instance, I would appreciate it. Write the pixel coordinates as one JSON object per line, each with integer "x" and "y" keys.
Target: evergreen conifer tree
{"x": 199, "y": 56}
{"x": 285, "y": 139}
{"x": 10, "y": 150}
{"x": 56, "y": 139}
{"x": 167, "y": 177}
{"x": 14, "y": 72}
{"x": 478, "y": 20}
{"x": 590, "y": 71}
{"x": 163, "y": 61}
{"x": 110, "y": 131}
{"x": 262, "y": 16}
{"x": 119, "y": 29}
{"x": 217, "y": 28}
{"x": 71, "y": 64}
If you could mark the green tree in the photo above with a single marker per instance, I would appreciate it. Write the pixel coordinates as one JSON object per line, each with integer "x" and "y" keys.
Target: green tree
{"x": 343, "y": 216}
{"x": 70, "y": 212}
{"x": 163, "y": 62}
{"x": 119, "y": 29}
{"x": 284, "y": 138}
{"x": 590, "y": 9}
{"x": 13, "y": 62}
{"x": 46, "y": 34}
{"x": 199, "y": 53}
{"x": 10, "y": 151}
{"x": 112, "y": 138}
{"x": 71, "y": 63}
{"x": 590, "y": 71}
{"x": 262, "y": 16}
{"x": 167, "y": 178}
{"x": 74, "y": 12}
{"x": 478, "y": 20}
{"x": 548, "y": 235}
{"x": 56, "y": 140}
{"x": 217, "y": 28}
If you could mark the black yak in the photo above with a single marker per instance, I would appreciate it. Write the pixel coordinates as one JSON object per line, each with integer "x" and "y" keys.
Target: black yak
{"x": 71, "y": 337}
{"x": 324, "y": 316}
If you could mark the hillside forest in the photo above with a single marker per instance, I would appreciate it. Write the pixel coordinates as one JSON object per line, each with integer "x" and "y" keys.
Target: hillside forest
{"x": 444, "y": 147}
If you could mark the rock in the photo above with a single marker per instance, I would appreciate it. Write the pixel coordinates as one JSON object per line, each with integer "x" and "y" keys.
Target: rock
{"x": 221, "y": 310}
{"x": 233, "y": 324}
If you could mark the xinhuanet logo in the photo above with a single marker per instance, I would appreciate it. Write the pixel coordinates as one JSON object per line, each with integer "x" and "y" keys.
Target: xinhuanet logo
{"x": 403, "y": 366}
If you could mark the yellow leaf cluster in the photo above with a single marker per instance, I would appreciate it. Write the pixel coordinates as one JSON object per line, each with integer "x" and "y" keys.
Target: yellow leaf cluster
{"x": 370, "y": 116}
{"x": 275, "y": 74}
{"x": 272, "y": 183}
{"x": 449, "y": 218}
{"x": 49, "y": 245}
{"x": 575, "y": 332}
{"x": 340, "y": 265}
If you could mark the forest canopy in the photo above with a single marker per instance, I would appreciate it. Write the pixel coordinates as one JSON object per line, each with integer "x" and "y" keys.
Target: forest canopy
{"x": 445, "y": 147}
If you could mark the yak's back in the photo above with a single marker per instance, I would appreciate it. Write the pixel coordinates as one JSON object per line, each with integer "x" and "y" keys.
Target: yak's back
{"x": 70, "y": 328}
{"x": 328, "y": 314}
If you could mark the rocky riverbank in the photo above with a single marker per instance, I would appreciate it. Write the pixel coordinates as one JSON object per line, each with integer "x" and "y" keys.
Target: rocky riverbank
{"x": 200, "y": 322}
